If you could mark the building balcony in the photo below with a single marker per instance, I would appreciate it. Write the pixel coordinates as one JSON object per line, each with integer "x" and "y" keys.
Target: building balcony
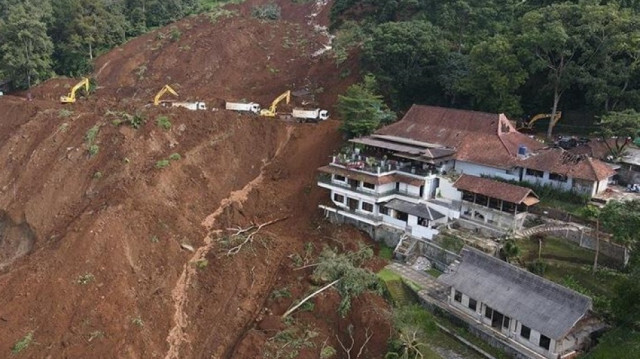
{"x": 328, "y": 183}
{"x": 379, "y": 167}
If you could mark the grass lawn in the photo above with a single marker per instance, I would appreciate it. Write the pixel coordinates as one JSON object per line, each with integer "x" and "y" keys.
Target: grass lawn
{"x": 567, "y": 262}
{"x": 388, "y": 275}
{"x": 434, "y": 272}
{"x": 572, "y": 208}
{"x": 619, "y": 343}
{"x": 385, "y": 252}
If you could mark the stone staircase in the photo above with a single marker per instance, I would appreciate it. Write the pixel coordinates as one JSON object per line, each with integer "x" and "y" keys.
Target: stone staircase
{"x": 545, "y": 228}
{"x": 405, "y": 246}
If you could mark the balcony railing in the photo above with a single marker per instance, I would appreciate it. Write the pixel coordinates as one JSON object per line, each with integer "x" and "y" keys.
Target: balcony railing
{"x": 378, "y": 166}
{"x": 370, "y": 193}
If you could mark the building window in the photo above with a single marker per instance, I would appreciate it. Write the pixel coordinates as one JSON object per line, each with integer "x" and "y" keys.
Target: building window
{"x": 505, "y": 322}
{"x": 557, "y": 177}
{"x": 368, "y": 185}
{"x": 525, "y": 332}
{"x": 488, "y": 312}
{"x": 534, "y": 173}
{"x": 472, "y": 304}
{"x": 338, "y": 198}
{"x": 339, "y": 178}
{"x": 401, "y": 216}
{"x": 367, "y": 207}
{"x": 457, "y": 297}
{"x": 545, "y": 342}
{"x": 384, "y": 210}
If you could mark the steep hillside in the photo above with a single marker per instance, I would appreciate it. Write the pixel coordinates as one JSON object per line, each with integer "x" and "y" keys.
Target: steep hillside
{"x": 96, "y": 230}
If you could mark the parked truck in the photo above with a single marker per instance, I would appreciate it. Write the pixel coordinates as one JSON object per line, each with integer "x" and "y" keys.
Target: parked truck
{"x": 316, "y": 115}
{"x": 243, "y": 107}
{"x": 198, "y": 105}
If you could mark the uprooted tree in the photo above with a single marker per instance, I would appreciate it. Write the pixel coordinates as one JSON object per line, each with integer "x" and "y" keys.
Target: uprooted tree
{"x": 343, "y": 272}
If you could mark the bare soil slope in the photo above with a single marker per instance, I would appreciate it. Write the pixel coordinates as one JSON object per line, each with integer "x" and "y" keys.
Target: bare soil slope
{"x": 92, "y": 247}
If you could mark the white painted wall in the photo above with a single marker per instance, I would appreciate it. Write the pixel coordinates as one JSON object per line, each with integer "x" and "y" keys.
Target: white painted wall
{"x": 479, "y": 170}
{"x": 447, "y": 190}
{"x": 394, "y": 222}
{"x": 544, "y": 180}
{"x": 386, "y": 187}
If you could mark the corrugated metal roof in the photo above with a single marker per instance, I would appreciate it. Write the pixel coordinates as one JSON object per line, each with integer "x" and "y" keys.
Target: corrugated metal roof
{"x": 538, "y": 303}
{"x": 420, "y": 210}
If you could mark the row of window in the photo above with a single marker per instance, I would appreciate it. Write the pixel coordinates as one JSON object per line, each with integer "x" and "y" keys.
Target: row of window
{"x": 366, "y": 206}
{"x": 525, "y": 332}
{"x": 366, "y": 185}
{"x": 552, "y": 176}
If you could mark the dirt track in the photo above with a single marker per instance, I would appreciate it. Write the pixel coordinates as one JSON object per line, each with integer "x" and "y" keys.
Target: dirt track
{"x": 90, "y": 247}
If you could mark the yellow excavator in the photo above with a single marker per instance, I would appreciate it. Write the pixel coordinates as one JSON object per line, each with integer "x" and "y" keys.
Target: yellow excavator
{"x": 71, "y": 97}
{"x": 165, "y": 89}
{"x": 529, "y": 124}
{"x": 271, "y": 112}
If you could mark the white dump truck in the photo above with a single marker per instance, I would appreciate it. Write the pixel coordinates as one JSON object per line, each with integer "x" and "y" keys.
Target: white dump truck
{"x": 198, "y": 105}
{"x": 243, "y": 107}
{"x": 310, "y": 115}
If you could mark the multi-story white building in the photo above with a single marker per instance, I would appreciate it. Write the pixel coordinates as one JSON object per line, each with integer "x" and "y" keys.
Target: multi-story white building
{"x": 400, "y": 179}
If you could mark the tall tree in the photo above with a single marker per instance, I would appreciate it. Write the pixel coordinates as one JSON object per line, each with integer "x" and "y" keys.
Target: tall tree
{"x": 495, "y": 75}
{"x": 405, "y": 57}
{"x": 624, "y": 126}
{"x": 362, "y": 110}
{"x": 25, "y": 46}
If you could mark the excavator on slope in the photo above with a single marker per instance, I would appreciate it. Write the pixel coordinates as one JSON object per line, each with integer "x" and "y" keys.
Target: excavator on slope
{"x": 165, "y": 89}
{"x": 272, "y": 111}
{"x": 71, "y": 97}
{"x": 528, "y": 125}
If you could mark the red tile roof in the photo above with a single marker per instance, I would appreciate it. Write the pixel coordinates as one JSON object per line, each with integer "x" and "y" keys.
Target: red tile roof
{"x": 478, "y": 137}
{"x": 562, "y": 162}
{"x": 494, "y": 189}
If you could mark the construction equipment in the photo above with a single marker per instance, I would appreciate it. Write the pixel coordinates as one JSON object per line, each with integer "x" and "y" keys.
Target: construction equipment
{"x": 310, "y": 115}
{"x": 243, "y": 107}
{"x": 529, "y": 124}
{"x": 71, "y": 97}
{"x": 198, "y": 105}
{"x": 165, "y": 89}
{"x": 271, "y": 112}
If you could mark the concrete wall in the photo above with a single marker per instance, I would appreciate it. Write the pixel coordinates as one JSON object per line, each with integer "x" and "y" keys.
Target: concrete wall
{"x": 618, "y": 253}
{"x": 440, "y": 258}
{"x": 447, "y": 190}
{"x": 479, "y": 170}
{"x": 628, "y": 176}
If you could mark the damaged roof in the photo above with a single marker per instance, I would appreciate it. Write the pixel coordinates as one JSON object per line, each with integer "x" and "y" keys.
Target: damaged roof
{"x": 495, "y": 189}
{"x": 477, "y": 137}
{"x": 536, "y": 302}
{"x": 562, "y": 162}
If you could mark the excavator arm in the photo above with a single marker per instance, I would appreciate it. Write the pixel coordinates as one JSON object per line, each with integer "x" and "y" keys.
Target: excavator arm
{"x": 71, "y": 97}
{"x": 165, "y": 89}
{"x": 554, "y": 120}
{"x": 272, "y": 111}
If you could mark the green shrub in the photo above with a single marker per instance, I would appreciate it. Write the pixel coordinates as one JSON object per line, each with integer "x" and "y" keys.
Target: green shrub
{"x": 175, "y": 156}
{"x": 537, "y": 267}
{"x": 64, "y": 113}
{"x": 91, "y": 134}
{"x": 281, "y": 293}
{"x": 269, "y": 11}
{"x": 22, "y": 344}
{"x": 93, "y": 150}
{"x": 163, "y": 122}
{"x": 175, "y": 34}
{"x": 162, "y": 164}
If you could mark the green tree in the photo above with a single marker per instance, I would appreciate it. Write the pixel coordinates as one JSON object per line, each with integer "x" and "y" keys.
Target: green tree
{"x": 625, "y": 305}
{"x": 622, "y": 219}
{"x": 405, "y": 57}
{"x": 25, "y": 48}
{"x": 362, "y": 110}
{"x": 624, "y": 126}
{"x": 495, "y": 76}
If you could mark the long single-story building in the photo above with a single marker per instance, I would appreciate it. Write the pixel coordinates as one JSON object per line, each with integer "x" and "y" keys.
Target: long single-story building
{"x": 518, "y": 305}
